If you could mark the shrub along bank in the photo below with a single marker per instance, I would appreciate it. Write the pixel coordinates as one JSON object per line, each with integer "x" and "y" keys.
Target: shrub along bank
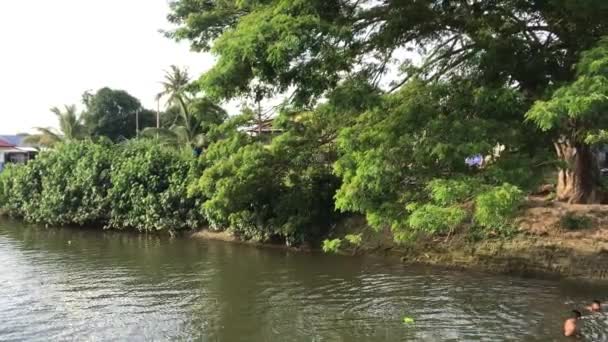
{"x": 282, "y": 190}
{"x": 136, "y": 184}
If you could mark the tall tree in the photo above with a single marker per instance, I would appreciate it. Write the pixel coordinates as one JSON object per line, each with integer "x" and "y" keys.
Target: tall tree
{"x": 113, "y": 113}
{"x": 176, "y": 88}
{"x": 190, "y": 117}
{"x": 577, "y": 114}
{"x": 191, "y": 130}
{"x": 310, "y": 47}
{"x": 70, "y": 128}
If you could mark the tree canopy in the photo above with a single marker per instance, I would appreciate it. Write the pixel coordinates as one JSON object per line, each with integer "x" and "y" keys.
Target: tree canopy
{"x": 455, "y": 77}
{"x": 112, "y": 113}
{"x": 311, "y": 45}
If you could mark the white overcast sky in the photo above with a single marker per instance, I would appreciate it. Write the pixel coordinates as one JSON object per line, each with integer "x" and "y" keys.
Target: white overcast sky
{"x": 51, "y": 51}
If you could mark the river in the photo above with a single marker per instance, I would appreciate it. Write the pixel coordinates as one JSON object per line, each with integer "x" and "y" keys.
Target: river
{"x": 89, "y": 285}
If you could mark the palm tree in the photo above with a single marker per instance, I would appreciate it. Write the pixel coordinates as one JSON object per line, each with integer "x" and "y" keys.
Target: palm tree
{"x": 70, "y": 128}
{"x": 176, "y": 89}
{"x": 177, "y": 94}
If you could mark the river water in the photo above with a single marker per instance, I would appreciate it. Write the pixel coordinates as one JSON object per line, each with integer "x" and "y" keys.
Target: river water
{"x": 89, "y": 285}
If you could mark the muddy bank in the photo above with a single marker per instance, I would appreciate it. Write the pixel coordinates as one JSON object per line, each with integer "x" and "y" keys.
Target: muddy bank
{"x": 548, "y": 244}
{"x": 522, "y": 256}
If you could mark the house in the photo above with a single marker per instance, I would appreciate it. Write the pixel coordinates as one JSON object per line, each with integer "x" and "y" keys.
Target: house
{"x": 14, "y": 150}
{"x": 262, "y": 127}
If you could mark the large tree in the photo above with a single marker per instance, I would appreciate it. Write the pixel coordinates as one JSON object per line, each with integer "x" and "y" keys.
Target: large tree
{"x": 113, "y": 114}
{"x": 310, "y": 46}
{"x": 577, "y": 114}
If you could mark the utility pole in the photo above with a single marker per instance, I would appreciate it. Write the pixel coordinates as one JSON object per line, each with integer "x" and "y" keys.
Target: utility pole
{"x": 157, "y": 116}
{"x": 137, "y": 123}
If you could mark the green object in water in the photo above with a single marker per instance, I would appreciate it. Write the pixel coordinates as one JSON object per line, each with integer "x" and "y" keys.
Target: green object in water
{"x": 408, "y": 320}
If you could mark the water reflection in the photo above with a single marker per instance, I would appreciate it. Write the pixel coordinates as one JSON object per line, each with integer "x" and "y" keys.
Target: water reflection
{"x": 66, "y": 284}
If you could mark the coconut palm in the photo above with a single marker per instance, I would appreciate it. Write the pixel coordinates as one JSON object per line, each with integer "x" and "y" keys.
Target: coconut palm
{"x": 70, "y": 128}
{"x": 176, "y": 88}
{"x": 191, "y": 130}
{"x": 186, "y": 129}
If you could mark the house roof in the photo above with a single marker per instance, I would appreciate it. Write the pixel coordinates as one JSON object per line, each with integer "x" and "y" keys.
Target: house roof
{"x": 15, "y": 140}
{"x": 6, "y": 144}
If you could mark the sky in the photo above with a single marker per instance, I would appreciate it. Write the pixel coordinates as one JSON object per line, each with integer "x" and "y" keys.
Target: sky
{"x": 53, "y": 51}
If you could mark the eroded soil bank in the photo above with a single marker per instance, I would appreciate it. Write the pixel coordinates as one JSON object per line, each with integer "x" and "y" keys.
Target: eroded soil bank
{"x": 554, "y": 240}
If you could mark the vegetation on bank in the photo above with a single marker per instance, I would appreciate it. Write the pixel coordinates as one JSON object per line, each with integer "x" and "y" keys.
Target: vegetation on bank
{"x": 136, "y": 184}
{"x": 506, "y": 95}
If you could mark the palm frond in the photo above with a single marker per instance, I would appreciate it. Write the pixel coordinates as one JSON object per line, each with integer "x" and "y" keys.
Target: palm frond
{"x": 45, "y": 137}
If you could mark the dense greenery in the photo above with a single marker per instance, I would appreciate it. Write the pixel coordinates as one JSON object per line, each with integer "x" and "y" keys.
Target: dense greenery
{"x": 189, "y": 117}
{"x": 522, "y": 49}
{"x": 113, "y": 113}
{"x": 149, "y": 185}
{"x": 427, "y": 117}
{"x": 137, "y": 184}
{"x": 282, "y": 189}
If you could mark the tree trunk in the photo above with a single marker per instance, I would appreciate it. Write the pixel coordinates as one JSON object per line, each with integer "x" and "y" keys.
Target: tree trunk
{"x": 578, "y": 181}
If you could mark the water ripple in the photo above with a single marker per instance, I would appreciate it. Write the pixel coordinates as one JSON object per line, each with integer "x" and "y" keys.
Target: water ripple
{"x": 106, "y": 287}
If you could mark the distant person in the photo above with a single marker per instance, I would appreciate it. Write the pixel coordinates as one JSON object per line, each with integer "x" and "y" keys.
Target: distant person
{"x": 570, "y": 325}
{"x": 596, "y": 306}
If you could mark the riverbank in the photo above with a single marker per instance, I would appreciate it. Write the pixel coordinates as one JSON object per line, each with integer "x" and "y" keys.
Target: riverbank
{"x": 554, "y": 240}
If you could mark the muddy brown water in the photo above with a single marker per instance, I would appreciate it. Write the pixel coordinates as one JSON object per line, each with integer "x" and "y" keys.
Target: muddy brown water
{"x": 87, "y": 285}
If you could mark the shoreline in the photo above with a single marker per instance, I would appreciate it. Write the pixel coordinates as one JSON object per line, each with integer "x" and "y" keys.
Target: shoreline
{"x": 522, "y": 256}
{"x": 541, "y": 249}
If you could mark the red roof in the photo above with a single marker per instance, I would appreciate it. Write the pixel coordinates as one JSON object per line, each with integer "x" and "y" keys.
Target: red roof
{"x": 4, "y": 143}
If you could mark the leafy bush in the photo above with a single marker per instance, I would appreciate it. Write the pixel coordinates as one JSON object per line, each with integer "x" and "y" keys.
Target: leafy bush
{"x": 261, "y": 191}
{"x": 447, "y": 192}
{"x": 11, "y": 194}
{"x": 74, "y": 183}
{"x": 354, "y": 239}
{"x": 495, "y": 207}
{"x": 65, "y": 186}
{"x": 414, "y": 139}
{"x": 135, "y": 185}
{"x": 149, "y": 189}
{"x": 332, "y": 246}
{"x": 242, "y": 191}
{"x": 571, "y": 221}
{"x": 433, "y": 219}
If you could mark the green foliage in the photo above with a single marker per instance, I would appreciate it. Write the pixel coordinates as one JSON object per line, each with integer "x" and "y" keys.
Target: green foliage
{"x": 188, "y": 118}
{"x": 67, "y": 185}
{"x": 452, "y": 191}
{"x": 149, "y": 189}
{"x": 354, "y": 239}
{"x": 74, "y": 183}
{"x": 262, "y": 191}
{"x": 11, "y": 195}
{"x": 578, "y": 109}
{"x": 387, "y": 162}
{"x": 332, "y": 246}
{"x": 432, "y": 219}
{"x": 137, "y": 185}
{"x": 482, "y": 66}
{"x": 571, "y": 221}
{"x": 494, "y": 208}
{"x": 242, "y": 191}
{"x": 311, "y": 45}
{"x": 71, "y": 127}
{"x": 112, "y": 114}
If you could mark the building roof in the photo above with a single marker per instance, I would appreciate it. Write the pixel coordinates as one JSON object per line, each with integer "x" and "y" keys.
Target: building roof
{"x": 15, "y": 140}
{"x": 6, "y": 144}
